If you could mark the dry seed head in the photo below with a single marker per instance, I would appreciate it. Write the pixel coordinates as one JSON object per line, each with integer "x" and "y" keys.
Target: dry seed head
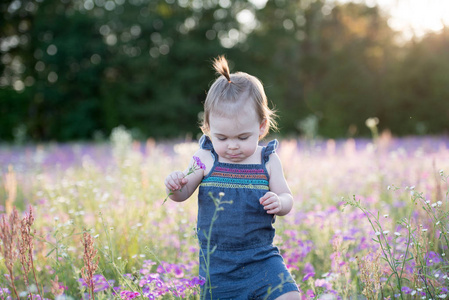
{"x": 90, "y": 265}
{"x": 9, "y": 229}
{"x": 56, "y": 288}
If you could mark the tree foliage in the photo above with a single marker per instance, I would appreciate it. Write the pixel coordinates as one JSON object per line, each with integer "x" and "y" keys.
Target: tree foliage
{"x": 71, "y": 68}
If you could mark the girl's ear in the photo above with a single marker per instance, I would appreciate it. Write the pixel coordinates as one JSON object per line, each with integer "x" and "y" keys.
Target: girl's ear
{"x": 263, "y": 127}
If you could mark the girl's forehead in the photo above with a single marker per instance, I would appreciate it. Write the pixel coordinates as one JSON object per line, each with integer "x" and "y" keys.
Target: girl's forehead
{"x": 233, "y": 124}
{"x": 238, "y": 109}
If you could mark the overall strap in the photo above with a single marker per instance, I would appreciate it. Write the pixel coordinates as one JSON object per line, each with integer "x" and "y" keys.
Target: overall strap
{"x": 268, "y": 150}
{"x": 206, "y": 144}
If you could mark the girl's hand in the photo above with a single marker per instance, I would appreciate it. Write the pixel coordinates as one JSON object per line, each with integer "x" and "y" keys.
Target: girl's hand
{"x": 271, "y": 203}
{"x": 175, "y": 181}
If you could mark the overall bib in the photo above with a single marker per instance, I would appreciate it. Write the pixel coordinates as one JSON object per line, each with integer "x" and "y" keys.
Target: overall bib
{"x": 244, "y": 263}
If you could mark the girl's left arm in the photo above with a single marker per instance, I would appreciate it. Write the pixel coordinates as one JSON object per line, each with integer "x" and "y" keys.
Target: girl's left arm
{"x": 279, "y": 199}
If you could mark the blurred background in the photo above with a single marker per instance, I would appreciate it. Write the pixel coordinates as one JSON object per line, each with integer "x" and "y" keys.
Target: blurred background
{"x": 75, "y": 69}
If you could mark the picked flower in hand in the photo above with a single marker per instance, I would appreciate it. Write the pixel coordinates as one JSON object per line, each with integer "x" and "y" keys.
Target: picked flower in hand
{"x": 197, "y": 165}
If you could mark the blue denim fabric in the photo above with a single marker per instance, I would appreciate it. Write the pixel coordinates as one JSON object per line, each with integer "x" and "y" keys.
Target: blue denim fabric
{"x": 244, "y": 263}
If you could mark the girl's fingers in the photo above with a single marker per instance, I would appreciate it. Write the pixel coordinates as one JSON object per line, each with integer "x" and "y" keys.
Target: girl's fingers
{"x": 271, "y": 206}
{"x": 173, "y": 183}
{"x": 273, "y": 211}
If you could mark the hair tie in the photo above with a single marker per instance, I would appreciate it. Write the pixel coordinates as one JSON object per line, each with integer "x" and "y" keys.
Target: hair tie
{"x": 229, "y": 81}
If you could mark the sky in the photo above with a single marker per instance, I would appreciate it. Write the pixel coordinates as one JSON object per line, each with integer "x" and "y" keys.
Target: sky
{"x": 410, "y": 17}
{"x": 416, "y": 16}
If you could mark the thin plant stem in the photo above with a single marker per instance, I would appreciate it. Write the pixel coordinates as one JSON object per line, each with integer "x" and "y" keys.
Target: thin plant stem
{"x": 386, "y": 252}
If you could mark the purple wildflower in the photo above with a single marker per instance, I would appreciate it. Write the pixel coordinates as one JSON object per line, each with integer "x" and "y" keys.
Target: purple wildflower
{"x": 36, "y": 297}
{"x": 200, "y": 280}
{"x": 307, "y": 276}
{"x": 100, "y": 283}
{"x": 179, "y": 273}
{"x": 150, "y": 296}
{"x": 4, "y": 291}
{"x": 323, "y": 283}
{"x": 433, "y": 258}
{"x": 310, "y": 294}
{"x": 308, "y": 268}
{"x": 199, "y": 163}
{"x": 127, "y": 295}
{"x": 406, "y": 290}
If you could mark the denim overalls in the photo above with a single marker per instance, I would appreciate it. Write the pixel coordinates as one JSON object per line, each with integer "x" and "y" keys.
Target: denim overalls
{"x": 244, "y": 263}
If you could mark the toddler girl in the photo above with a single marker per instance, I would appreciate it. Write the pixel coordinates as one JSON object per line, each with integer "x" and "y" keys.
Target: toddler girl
{"x": 244, "y": 263}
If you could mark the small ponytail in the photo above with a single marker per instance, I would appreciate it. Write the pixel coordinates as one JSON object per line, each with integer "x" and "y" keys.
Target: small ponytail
{"x": 226, "y": 99}
{"x": 221, "y": 67}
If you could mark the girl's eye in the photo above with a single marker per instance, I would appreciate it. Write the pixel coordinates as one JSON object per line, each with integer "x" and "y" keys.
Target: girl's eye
{"x": 221, "y": 138}
{"x": 243, "y": 138}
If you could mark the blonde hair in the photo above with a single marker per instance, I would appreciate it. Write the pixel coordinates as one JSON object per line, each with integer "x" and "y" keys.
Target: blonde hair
{"x": 230, "y": 92}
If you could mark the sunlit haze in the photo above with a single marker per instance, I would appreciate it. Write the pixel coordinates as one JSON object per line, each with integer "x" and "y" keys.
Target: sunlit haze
{"x": 410, "y": 17}
{"x": 413, "y": 17}
{"x": 417, "y": 16}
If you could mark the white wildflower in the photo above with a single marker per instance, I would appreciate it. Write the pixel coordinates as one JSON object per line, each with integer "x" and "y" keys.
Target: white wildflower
{"x": 427, "y": 201}
{"x": 134, "y": 256}
{"x": 371, "y": 122}
{"x": 424, "y": 229}
{"x": 386, "y": 216}
{"x": 119, "y": 258}
{"x": 442, "y": 296}
{"x": 434, "y": 205}
{"x": 437, "y": 275}
{"x": 437, "y": 223}
{"x": 444, "y": 254}
{"x": 142, "y": 255}
{"x": 413, "y": 292}
{"x": 378, "y": 233}
{"x": 439, "y": 203}
{"x": 397, "y": 233}
{"x": 385, "y": 232}
{"x": 221, "y": 194}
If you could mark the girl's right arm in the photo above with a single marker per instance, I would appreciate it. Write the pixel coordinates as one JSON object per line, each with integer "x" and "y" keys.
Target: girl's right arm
{"x": 180, "y": 186}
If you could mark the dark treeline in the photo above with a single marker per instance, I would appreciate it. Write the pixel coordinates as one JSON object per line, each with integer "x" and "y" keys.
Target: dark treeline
{"x": 71, "y": 68}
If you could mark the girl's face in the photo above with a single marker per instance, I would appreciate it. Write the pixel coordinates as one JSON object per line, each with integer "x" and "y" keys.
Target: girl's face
{"x": 236, "y": 138}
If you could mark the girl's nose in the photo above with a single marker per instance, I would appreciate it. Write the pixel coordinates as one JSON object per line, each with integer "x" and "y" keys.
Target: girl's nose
{"x": 233, "y": 145}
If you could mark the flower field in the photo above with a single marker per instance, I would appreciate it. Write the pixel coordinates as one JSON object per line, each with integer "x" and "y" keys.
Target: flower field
{"x": 370, "y": 220}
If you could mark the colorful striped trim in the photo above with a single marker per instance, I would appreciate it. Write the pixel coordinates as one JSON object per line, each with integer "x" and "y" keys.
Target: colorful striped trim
{"x": 243, "y": 176}
{"x": 228, "y": 170}
{"x": 236, "y": 181}
{"x": 234, "y": 186}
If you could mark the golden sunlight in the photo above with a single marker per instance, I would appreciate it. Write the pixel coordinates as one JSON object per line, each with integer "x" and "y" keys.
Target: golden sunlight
{"x": 413, "y": 17}
{"x": 417, "y": 17}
